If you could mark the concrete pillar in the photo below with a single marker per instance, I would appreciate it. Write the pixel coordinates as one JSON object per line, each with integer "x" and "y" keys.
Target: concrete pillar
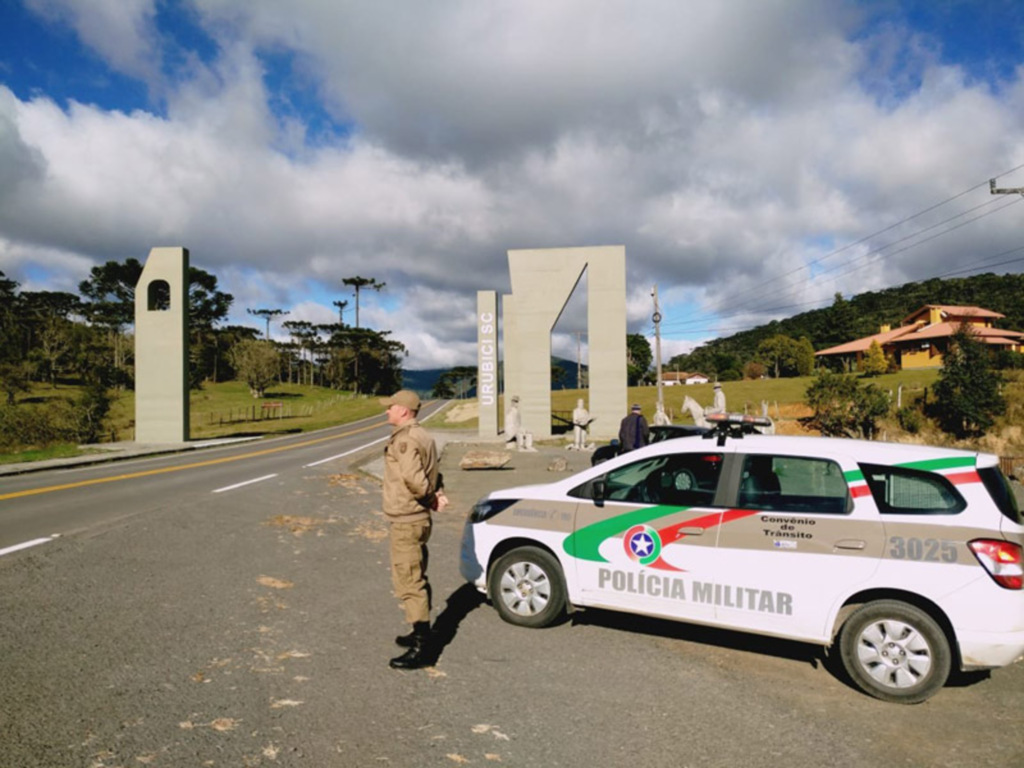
{"x": 542, "y": 282}
{"x": 487, "y": 362}
{"x": 510, "y": 364}
{"x": 161, "y": 348}
{"x": 606, "y": 339}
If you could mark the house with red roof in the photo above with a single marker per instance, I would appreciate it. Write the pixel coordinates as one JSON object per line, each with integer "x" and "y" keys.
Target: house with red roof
{"x": 672, "y": 378}
{"x": 923, "y": 337}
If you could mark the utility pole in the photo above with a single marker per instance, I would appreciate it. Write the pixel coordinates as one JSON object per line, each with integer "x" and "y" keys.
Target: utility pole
{"x": 657, "y": 343}
{"x": 1011, "y": 191}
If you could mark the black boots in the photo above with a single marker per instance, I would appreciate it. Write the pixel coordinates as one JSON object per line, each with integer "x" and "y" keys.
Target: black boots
{"x": 418, "y": 642}
{"x": 406, "y": 641}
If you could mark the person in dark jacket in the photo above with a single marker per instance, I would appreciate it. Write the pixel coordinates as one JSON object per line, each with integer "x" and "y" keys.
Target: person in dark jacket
{"x": 633, "y": 432}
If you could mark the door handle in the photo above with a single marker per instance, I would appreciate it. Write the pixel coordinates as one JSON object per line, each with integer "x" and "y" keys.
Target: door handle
{"x": 691, "y": 531}
{"x": 851, "y": 544}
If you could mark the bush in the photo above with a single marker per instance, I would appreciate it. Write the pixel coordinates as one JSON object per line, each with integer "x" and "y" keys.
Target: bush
{"x": 753, "y": 370}
{"x": 843, "y": 407}
{"x": 1009, "y": 361}
{"x": 29, "y": 426}
{"x": 58, "y": 420}
{"x": 730, "y": 375}
{"x": 91, "y": 409}
{"x": 910, "y": 419}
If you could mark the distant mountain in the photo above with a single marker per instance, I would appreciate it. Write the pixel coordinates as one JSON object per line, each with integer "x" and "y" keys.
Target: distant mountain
{"x": 422, "y": 382}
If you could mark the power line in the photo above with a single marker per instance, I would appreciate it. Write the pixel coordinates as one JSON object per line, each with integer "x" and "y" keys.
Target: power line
{"x": 759, "y": 288}
{"x": 878, "y": 255}
{"x": 879, "y": 252}
{"x": 982, "y": 264}
{"x": 871, "y": 257}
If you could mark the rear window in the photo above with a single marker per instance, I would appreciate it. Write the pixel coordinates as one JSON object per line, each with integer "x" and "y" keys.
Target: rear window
{"x": 1002, "y": 494}
{"x": 903, "y": 491}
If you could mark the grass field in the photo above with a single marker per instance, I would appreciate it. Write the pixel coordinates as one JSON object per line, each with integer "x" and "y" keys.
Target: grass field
{"x": 221, "y": 410}
{"x": 783, "y": 396}
{"x": 227, "y": 409}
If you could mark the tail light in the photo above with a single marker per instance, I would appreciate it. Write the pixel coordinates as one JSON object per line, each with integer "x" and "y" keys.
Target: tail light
{"x": 1002, "y": 559}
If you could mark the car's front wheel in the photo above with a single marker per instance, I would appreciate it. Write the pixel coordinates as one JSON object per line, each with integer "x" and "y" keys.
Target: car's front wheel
{"x": 527, "y": 587}
{"x": 895, "y": 652}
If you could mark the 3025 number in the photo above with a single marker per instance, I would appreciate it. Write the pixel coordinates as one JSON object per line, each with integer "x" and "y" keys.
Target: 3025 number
{"x": 928, "y": 550}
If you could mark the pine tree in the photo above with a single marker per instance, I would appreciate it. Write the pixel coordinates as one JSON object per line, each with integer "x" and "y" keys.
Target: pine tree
{"x": 874, "y": 363}
{"x": 967, "y": 396}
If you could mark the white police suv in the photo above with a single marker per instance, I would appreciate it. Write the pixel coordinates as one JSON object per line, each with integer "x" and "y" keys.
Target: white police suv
{"x": 906, "y": 559}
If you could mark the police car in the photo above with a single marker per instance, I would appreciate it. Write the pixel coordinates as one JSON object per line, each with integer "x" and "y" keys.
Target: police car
{"x": 905, "y": 560}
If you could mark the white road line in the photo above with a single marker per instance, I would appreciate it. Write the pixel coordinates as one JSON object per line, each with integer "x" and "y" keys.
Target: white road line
{"x": 346, "y": 453}
{"x": 24, "y": 545}
{"x": 247, "y": 482}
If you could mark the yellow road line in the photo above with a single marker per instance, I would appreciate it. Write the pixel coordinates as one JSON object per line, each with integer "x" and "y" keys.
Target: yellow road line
{"x": 211, "y": 462}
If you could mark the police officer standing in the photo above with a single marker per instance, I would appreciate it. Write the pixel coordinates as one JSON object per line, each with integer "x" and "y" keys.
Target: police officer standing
{"x": 412, "y": 490}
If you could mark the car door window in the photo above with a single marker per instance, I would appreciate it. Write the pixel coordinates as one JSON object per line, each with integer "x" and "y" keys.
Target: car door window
{"x": 679, "y": 480}
{"x": 794, "y": 484}
{"x": 905, "y": 491}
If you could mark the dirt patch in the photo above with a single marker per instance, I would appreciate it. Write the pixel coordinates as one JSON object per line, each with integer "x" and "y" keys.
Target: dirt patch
{"x": 793, "y": 427}
{"x": 462, "y": 412}
{"x": 370, "y": 531}
{"x": 296, "y": 524}
{"x": 270, "y": 581}
{"x": 349, "y": 482}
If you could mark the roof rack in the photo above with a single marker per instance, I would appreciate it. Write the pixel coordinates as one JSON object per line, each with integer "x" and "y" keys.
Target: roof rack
{"x": 725, "y": 425}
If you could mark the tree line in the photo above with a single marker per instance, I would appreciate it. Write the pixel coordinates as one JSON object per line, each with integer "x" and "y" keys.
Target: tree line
{"x": 57, "y": 338}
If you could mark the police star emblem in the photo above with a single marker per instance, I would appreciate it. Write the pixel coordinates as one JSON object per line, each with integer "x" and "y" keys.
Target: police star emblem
{"x": 642, "y": 544}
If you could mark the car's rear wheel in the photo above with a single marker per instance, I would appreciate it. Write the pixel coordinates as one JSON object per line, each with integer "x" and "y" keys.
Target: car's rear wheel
{"x": 896, "y": 652}
{"x": 527, "y": 587}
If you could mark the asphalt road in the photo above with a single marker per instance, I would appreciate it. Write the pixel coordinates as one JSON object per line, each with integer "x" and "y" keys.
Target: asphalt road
{"x": 252, "y": 627}
{"x": 42, "y": 505}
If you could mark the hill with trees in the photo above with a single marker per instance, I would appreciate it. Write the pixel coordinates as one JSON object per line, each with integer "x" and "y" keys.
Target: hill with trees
{"x": 854, "y": 318}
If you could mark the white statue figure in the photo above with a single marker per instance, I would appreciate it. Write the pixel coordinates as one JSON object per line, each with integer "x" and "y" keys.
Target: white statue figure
{"x": 718, "y": 404}
{"x": 580, "y": 421}
{"x": 661, "y": 418}
{"x": 513, "y": 425}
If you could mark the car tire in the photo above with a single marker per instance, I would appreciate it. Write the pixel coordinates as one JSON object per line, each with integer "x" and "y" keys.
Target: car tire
{"x": 895, "y": 652}
{"x": 527, "y": 587}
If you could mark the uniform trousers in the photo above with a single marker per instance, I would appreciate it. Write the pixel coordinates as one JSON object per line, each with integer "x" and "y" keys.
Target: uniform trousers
{"x": 409, "y": 568}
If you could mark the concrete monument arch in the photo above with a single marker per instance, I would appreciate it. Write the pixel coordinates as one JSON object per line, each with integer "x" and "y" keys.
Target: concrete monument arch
{"x": 161, "y": 348}
{"x": 542, "y": 282}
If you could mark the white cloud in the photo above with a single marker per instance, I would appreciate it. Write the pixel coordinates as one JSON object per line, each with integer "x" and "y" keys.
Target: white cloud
{"x": 727, "y": 145}
{"x": 121, "y": 31}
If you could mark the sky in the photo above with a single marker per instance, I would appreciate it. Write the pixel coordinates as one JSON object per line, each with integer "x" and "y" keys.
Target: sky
{"x": 754, "y": 157}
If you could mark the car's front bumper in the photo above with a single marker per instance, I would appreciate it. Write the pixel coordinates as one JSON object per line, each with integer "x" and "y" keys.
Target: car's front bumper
{"x": 470, "y": 566}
